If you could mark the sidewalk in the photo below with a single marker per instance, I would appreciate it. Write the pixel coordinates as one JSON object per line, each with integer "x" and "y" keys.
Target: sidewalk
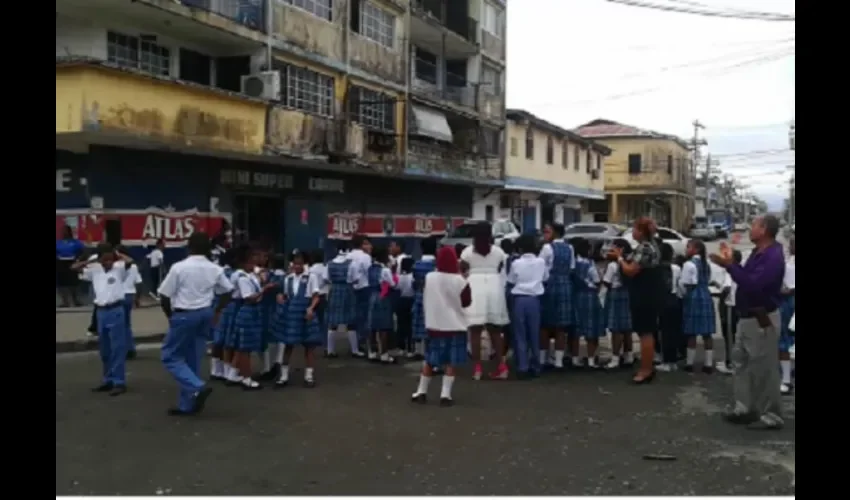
{"x": 149, "y": 325}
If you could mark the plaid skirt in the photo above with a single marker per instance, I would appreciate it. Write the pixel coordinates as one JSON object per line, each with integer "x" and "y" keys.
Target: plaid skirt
{"x": 362, "y": 306}
{"x": 267, "y": 307}
{"x": 380, "y": 313}
{"x": 446, "y": 350}
{"x": 340, "y": 309}
{"x": 618, "y": 313}
{"x": 225, "y": 323}
{"x": 418, "y": 313}
{"x": 557, "y": 303}
{"x": 247, "y": 333}
{"x": 590, "y": 318}
{"x": 291, "y": 328}
{"x": 698, "y": 316}
{"x": 786, "y": 336}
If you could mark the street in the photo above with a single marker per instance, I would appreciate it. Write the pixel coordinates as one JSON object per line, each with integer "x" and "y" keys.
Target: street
{"x": 357, "y": 434}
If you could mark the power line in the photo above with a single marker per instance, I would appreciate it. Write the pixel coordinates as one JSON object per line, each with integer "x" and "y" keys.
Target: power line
{"x": 743, "y": 15}
{"x": 701, "y": 5}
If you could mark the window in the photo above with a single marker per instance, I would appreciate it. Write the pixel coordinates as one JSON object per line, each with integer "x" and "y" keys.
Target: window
{"x": 375, "y": 24}
{"x": 576, "y": 157}
{"x": 503, "y": 228}
{"x": 634, "y": 163}
{"x": 588, "y": 160}
{"x": 529, "y": 144}
{"x": 488, "y": 212}
{"x": 564, "y": 155}
{"x": 491, "y": 141}
{"x": 670, "y": 164}
{"x": 513, "y": 146}
{"x": 666, "y": 234}
{"x": 493, "y": 21}
{"x": 195, "y": 67}
{"x": 598, "y": 162}
{"x": 550, "y": 150}
{"x": 491, "y": 80}
{"x": 373, "y": 109}
{"x": 309, "y": 91}
{"x": 586, "y": 229}
{"x": 138, "y": 52}
{"x": 319, "y": 8}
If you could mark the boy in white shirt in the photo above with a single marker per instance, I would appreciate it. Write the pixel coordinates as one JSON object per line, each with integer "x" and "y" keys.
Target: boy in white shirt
{"x": 130, "y": 283}
{"x": 728, "y": 316}
{"x": 107, "y": 276}
{"x": 527, "y": 275}
{"x": 155, "y": 258}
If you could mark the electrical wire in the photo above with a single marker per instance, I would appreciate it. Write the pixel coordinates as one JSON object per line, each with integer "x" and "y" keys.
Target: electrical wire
{"x": 720, "y": 8}
{"x": 742, "y": 15}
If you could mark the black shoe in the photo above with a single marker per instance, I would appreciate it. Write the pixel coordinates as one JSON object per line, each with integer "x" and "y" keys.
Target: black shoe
{"x": 331, "y": 355}
{"x": 131, "y": 355}
{"x": 201, "y": 399}
{"x": 645, "y": 380}
{"x": 708, "y": 370}
{"x": 418, "y": 357}
{"x": 523, "y": 376}
{"x": 688, "y": 368}
{"x": 446, "y": 402}
{"x": 740, "y": 418}
{"x": 310, "y": 384}
{"x": 217, "y": 378}
{"x": 177, "y": 412}
{"x": 419, "y": 398}
{"x": 103, "y": 387}
{"x": 118, "y": 390}
{"x": 271, "y": 374}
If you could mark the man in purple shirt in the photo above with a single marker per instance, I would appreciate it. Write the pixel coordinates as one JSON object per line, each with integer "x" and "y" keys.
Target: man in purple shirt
{"x": 756, "y": 352}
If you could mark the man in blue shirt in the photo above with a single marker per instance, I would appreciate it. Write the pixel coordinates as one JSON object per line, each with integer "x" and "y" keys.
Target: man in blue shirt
{"x": 68, "y": 250}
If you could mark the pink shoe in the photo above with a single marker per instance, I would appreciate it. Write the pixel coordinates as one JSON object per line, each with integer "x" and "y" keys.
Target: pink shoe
{"x": 476, "y": 374}
{"x": 501, "y": 373}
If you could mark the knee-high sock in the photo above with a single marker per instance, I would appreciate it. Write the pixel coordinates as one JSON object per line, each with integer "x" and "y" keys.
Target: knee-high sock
{"x": 331, "y": 342}
{"x": 353, "y": 341}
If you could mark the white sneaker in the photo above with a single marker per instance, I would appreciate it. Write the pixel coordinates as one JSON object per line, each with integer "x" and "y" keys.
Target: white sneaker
{"x": 791, "y": 351}
{"x": 721, "y": 367}
{"x": 613, "y": 364}
{"x": 666, "y": 367}
{"x": 90, "y": 335}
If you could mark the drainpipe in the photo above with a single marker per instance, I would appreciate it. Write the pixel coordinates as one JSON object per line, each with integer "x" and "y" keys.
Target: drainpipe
{"x": 269, "y": 29}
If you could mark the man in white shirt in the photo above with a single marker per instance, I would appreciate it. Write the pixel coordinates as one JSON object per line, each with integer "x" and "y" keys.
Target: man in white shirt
{"x": 187, "y": 294}
{"x": 527, "y": 275}
{"x": 107, "y": 275}
{"x": 358, "y": 276}
{"x": 155, "y": 258}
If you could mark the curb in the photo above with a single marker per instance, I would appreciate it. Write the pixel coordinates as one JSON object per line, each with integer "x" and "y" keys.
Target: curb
{"x": 91, "y": 344}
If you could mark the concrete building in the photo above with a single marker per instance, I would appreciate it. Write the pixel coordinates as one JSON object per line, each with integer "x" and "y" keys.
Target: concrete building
{"x": 647, "y": 173}
{"x": 284, "y": 121}
{"x": 551, "y": 174}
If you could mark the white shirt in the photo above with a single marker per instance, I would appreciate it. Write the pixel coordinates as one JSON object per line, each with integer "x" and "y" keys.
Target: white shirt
{"x": 441, "y": 302}
{"x": 733, "y": 287}
{"x": 690, "y": 273}
{"x": 395, "y": 262}
{"x": 108, "y": 285}
{"x": 677, "y": 275}
{"x": 155, "y": 257}
{"x": 612, "y": 275}
{"x": 358, "y": 271}
{"x": 294, "y": 280}
{"x": 245, "y": 285}
{"x": 194, "y": 282}
{"x": 528, "y": 273}
{"x": 133, "y": 278}
{"x": 320, "y": 271}
{"x": 592, "y": 278}
{"x": 405, "y": 284}
{"x": 789, "y": 281}
{"x": 492, "y": 263}
{"x": 548, "y": 256}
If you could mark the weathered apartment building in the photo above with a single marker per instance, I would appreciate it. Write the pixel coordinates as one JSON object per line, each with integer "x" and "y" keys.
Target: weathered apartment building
{"x": 293, "y": 122}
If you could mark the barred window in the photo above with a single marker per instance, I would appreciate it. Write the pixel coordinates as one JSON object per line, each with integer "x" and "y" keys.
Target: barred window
{"x": 132, "y": 52}
{"x": 377, "y": 24}
{"x": 373, "y": 109}
{"x": 320, "y": 8}
{"x": 309, "y": 91}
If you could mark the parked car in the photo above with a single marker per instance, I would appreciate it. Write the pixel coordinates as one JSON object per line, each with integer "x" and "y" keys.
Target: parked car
{"x": 599, "y": 234}
{"x": 675, "y": 239}
{"x": 500, "y": 229}
{"x": 705, "y": 232}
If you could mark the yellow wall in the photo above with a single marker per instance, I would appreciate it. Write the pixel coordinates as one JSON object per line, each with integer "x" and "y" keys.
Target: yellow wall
{"x": 654, "y": 173}
{"x": 517, "y": 165}
{"x": 90, "y": 98}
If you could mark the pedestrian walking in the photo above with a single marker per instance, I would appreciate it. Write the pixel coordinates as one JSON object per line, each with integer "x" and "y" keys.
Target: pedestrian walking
{"x": 590, "y": 320}
{"x": 156, "y": 257}
{"x": 698, "y": 316}
{"x": 618, "y": 314}
{"x": 187, "y": 294}
{"x": 527, "y": 275}
{"x": 445, "y": 295}
{"x": 557, "y": 301}
{"x": 756, "y": 382}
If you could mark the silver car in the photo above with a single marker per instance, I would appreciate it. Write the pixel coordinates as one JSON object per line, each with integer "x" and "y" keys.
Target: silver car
{"x": 462, "y": 234}
{"x": 705, "y": 232}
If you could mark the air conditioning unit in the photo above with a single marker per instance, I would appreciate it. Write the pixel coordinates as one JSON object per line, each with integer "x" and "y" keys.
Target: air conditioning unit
{"x": 264, "y": 85}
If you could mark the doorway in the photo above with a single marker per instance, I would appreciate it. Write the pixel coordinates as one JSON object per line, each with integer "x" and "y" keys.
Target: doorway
{"x": 257, "y": 219}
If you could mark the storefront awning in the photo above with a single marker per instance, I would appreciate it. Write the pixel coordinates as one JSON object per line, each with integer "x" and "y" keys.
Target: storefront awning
{"x": 431, "y": 123}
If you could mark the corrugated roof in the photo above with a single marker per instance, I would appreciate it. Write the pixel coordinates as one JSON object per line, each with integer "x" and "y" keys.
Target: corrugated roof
{"x": 601, "y": 128}
{"x": 527, "y": 116}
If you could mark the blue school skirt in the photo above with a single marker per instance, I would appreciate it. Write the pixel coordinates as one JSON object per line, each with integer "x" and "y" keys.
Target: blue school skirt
{"x": 340, "y": 308}
{"x": 380, "y": 313}
{"x": 618, "y": 313}
{"x": 786, "y": 336}
{"x": 590, "y": 318}
{"x": 418, "y": 313}
{"x": 225, "y": 324}
{"x": 446, "y": 350}
{"x": 557, "y": 304}
{"x": 698, "y": 317}
{"x": 247, "y": 331}
{"x": 291, "y": 328}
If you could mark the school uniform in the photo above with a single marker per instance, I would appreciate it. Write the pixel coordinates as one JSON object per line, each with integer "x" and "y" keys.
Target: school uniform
{"x": 380, "y": 308}
{"x": 109, "y": 291}
{"x": 787, "y": 307}
{"x": 130, "y": 282}
{"x": 698, "y": 317}
{"x": 191, "y": 285}
{"x": 670, "y": 323}
{"x": 509, "y": 299}
{"x": 358, "y": 276}
{"x": 225, "y": 319}
{"x": 340, "y": 313}
{"x": 291, "y": 327}
{"x": 246, "y": 335}
{"x": 527, "y": 275}
{"x": 728, "y": 319}
{"x": 267, "y": 309}
{"x": 618, "y": 313}
{"x": 421, "y": 269}
{"x": 155, "y": 259}
{"x": 590, "y": 320}
{"x": 319, "y": 271}
{"x": 404, "y": 312}
{"x": 558, "y": 311}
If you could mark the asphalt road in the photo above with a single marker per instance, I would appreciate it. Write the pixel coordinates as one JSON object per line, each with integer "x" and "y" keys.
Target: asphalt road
{"x": 357, "y": 434}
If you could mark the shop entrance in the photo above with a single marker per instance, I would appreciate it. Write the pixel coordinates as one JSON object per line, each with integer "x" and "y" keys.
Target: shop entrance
{"x": 257, "y": 219}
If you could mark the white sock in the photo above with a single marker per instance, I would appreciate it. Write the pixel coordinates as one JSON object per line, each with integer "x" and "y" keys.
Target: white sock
{"x": 690, "y": 356}
{"x": 424, "y": 382}
{"x": 281, "y": 349}
{"x": 331, "y": 342}
{"x": 233, "y": 375}
{"x": 352, "y": 342}
{"x": 591, "y": 362}
{"x": 284, "y": 373}
{"x": 628, "y": 357}
{"x": 420, "y": 348}
{"x": 216, "y": 367}
{"x": 544, "y": 356}
{"x": 308, "y": 374}
{"x": 785, "y": 365}
{"x": 576, "y": 360}
{"x": 267, "y": 359}
{"x": 709, "y": 357}
{"x": 448, "y": 382}
{"x": 559, "y": 359}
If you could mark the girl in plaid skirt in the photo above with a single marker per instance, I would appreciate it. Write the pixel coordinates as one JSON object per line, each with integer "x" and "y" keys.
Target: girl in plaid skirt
{"x": 420, "y": 270}
{"x": 698, "y": 316}
{"x": 219, "y": 368}
{"x": 590, "y": 318}
{"x": 618, "y": 314}
{"x": 380, "y": 307}
{"x": 340, "y": 314}
{"x": 445, "y": 296}
{"x": 558, "y": 315}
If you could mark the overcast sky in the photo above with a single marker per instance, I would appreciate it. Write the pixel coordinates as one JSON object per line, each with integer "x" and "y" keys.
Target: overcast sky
{"x": 571, "y": 61}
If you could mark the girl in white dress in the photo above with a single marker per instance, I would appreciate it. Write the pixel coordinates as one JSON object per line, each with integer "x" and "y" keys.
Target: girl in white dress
{"x": 489, "y": 309}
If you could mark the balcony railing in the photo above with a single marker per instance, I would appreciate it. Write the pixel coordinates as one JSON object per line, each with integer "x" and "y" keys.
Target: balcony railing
{"x": 453, "y": 88}
{"x": 466, "y": 28}
{"x": 449, "y": 160}
{"x": 249, "y": 13}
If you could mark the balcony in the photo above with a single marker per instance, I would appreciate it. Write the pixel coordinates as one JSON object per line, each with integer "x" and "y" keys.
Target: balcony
{"x": 651, "y": 181}
{"x": 431, "y": 27}
{"x": 435, "y": 84}
{"x": 95, "y": 101}
{"x": 307, "y": 32}
{"x": 248, "y": 13}
{"x": 492, "y": 46}
{"x": 436, "y": 160}
{"x": 491, "y": 106}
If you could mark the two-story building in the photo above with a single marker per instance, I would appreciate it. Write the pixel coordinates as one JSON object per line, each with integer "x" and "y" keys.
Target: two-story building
{"x": 281, "y": 121}
{"x": 551, "y": 174}
{"x": 647, "y": 173}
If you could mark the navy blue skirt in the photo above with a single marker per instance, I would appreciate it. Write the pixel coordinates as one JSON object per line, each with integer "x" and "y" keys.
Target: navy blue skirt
{"x": 446, "y": 350}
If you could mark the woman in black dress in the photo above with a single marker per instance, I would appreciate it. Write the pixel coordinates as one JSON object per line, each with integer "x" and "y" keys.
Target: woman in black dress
{"x": 646, "y": 290}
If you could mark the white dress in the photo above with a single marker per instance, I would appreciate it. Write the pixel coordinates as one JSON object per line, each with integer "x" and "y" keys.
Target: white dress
{"x": 487, "y": 284}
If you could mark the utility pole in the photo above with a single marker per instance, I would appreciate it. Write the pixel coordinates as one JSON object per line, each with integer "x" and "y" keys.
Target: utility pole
{"x": 696, "y": 144}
